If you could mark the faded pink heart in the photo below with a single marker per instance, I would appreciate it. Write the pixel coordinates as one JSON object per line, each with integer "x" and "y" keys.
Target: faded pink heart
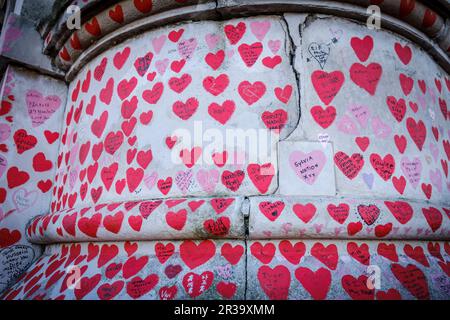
{"x": 307, "y": 166}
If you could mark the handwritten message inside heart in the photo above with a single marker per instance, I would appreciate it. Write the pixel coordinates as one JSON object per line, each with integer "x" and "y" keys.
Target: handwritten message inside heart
{"x": 41, "y": 108}
{"x": 307, "y": 166}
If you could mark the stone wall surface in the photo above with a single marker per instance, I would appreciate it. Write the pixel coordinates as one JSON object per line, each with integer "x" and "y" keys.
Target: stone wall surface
{"x": 30, "y": 124}
{"x": 381, "y": 102}
{"x": 138, "y": 270}
{"x": 341, "y": 172}
{"x": 140, "y": 116}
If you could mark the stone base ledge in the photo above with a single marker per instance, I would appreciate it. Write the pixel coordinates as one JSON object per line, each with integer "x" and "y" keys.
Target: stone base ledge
{"x": 192, "y": 218}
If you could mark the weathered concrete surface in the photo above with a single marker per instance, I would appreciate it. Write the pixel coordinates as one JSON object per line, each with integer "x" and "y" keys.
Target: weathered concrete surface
{"x": 137, "y": 270}
{"x": 381, "y": 101}
{"x": 299, "y": 217}
{"x": 192, "y": 218}
{"x": 194, "y": 87}
{"x": 117, "y": 179}
{"x": 338, "y": 270}
{"x": 31, "y": 113}
{"x": 21, "y": 43}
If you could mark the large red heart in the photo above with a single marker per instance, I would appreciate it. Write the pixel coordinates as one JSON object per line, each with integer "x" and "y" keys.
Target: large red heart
{"x": 366, "y": 77}
{"x": 293, "y": 253}
{"x": 417, "y": 131}
{"x": 220, "y": 205}
{"x": 180, "y": 84}
{"x": 86, "y": 285}
{"x": 263, "y": 253}
{"x": 185, "y": 110}
{"x": 357, "y": 288}
{"x": 195, "y": 255}
{"x": 413, "y": 279}
{"x": 349, "y": 166}
{"x": 251, "y": 93}
{"x": 196, "y": 284}
{"x": 153, "y": 95}
{"x": 401, "y": 210}
{"x": 121, "y": 57}
{"x": 272, "y": 210}
{"x": 275, "y": 120}
{"x": 327, "y": 85}
{"x": 164, "y": 252}
{"x": 397, "y": 107}
{"x": 8, "y": 237}
{"x": 433, "y": 217}
{"x": 275, "y": 282}
{"x": 93, "y": 27}
{"x": 24, "y": 141}
{"x": 232, "y": 254}
{"x": 16, "y": 177}
{"x": 388, "y": 251}
{"x": 327, "y": 255}
{"x": 323, "y": 117}
{"x": 261, "y": 175}
{"x": 234, "y": 34}
{"x": 177, "y": 220}
{"x": 359, "y": 253}
{"x": 362, "y": 47}
{"x": 138, "y": 287}
{"x": 222, "y": 113}
{"x": 369, "y": 213}
{"x": 233, "y": 180}
{"x": 339, "y": 213}
{"x": 316, "y": 283}
{"x": 403, "y": 52}
{"x": 133, "y": 265}
{"x": 113, "y": 223}
{"x": 219, "y": 227}
{"x": 89, "y": 226}
{"x": 417, "y": 254}
{"x": 217, "y": 85}
{"x": 384, "y": 167}
{"x": 304, "y": 212}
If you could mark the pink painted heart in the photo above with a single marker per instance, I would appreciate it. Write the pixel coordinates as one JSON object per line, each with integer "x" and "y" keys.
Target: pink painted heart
{"x": 346, "y": 125}
{"x": 5, "y": 131}
{"x": 183, "y": 180}
{"x": 158, "y": 43}
{"x": 260, "y": 29}
{"x": 187, "y": 47}
{"x": 412, "y": 169}
{"x": 24, "y": 199}
{"x": 208, "y": 179}
{"x": 3, "y": 165}
{"x": 41, "y": 108}
{"x": 150, "y": 180}
{"x": 211, "y": 40}
{"x": 307, "y": 166}
{"x": 274, "y": 45}
{"x": 161, "y": 66}
{"x": 361, "y": 114}
{"x": 381, "y": 129}
{"x": 436, "y": 179}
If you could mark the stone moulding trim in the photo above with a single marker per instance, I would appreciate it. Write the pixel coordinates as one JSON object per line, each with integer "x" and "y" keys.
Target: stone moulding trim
{"x": 107, "y": 21}
{"x": 157, "y": 219}
{"x": 203, "y": 12}
{"x": 210, "y": 11}
{"x": 58, "y": 33}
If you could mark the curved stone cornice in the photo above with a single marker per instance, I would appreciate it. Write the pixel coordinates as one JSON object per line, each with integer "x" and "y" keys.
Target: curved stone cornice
{"x": 417, "y": 22}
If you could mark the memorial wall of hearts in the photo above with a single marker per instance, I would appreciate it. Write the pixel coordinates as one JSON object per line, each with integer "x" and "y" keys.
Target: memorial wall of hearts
{"x": 261, "y": 150}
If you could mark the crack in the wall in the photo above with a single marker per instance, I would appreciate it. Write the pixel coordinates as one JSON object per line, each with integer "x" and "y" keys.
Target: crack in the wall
{"x": 292, "y": 55}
